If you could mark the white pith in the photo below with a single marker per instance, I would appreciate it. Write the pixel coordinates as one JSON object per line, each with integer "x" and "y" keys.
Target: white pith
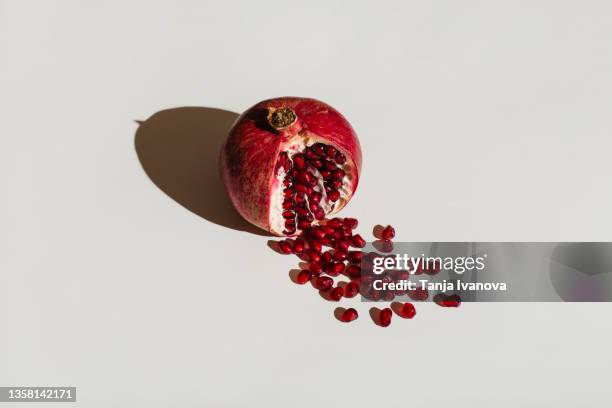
{"x": 298, "y": 145}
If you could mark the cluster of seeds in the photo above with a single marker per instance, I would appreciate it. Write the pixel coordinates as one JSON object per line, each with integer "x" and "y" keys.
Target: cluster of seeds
{"x": 302, "y": 190}
{"x": 332, "y": 250}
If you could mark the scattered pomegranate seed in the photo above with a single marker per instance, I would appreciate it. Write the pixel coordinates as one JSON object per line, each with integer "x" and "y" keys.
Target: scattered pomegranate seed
{"x": 324, "y": 283}
{"x": 388, "y": 233}
{"x": 349, "y": 315}
{"x": 447, "y": 300}
{"x": 355, "y": 256}
{"x": 336, "y": 293}
{"x": 285, "y": 247}
{"x": 351, "y": 290}
{"x": 357, "y": 241}
{"x": 406, "y": 310}
{"x": 303, "y": 277}
{"x": 385, "y": 317}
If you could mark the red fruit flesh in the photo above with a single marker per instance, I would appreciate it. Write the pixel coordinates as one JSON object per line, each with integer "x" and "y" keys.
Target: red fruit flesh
{"x": 303, "y": 277}
{"x": 288, "y": 161}
{"x": 336, "y": 293}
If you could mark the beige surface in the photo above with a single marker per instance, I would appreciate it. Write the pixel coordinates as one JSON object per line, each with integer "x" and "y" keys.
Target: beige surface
{"x": 479, "y": 121}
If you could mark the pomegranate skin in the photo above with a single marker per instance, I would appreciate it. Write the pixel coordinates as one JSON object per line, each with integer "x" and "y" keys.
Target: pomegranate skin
{"x": 248, "y": 159}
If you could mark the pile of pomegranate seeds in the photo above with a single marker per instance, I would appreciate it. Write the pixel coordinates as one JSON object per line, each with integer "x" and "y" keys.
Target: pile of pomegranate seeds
{"x": 331, "y": 249}
{"x": 308, "y": 177}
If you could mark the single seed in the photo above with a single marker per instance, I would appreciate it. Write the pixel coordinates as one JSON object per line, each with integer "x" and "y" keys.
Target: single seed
{"x": 298, "y": 246}
{"x": 351, "y": 290}
{"x": 326, "y": 257}
{"x": 334, "y": 268}
{"x": 351, "y": 223}
{"x": 315, "y": 198}
{"x": 340, "y": 159}
{"x": 303, "y": 224}
{"x": 338, "y": 174}
{"x": 303, "y": 277}
{"x": 298, "y": 159}
{"x": 357, "y": 241}
{"x": 349, "y": 315}
{"x": 340, "y": 256}
{"x": 355, "y": 256}
{"x": 335, "y": 223}
{"x": 300, "y": 188}
{"x": 315, "y": 245}
{"x": 341, "y": 245}
{"x": 353, "y": 271}
{"x": 333, "y": 195}
{"x": 407, "y": 310}
{"x": 385, "y": 317}
{"x": 319, "y": 214}
{"x": 285, "y": 247}
{"x": 313, "y": 256}
{"x": 335, "y": 184}
{"x": 324, "y": 283}
{"x": 315, "y": 267}
{"x": 318, "y": 233}
{"x": 325, "y": 173}
{"x": 388, "y": 233}
{"x": 336, "y": 293}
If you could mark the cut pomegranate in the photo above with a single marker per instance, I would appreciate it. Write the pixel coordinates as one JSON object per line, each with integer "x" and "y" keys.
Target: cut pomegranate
{"x": 288, "y": 162}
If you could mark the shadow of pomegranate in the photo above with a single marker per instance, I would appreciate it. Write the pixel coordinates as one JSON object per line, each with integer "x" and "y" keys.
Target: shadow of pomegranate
{"x": 179, "y": 150}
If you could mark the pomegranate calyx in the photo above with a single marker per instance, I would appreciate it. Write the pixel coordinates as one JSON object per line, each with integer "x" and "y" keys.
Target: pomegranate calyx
{"x": 281, "y": 118}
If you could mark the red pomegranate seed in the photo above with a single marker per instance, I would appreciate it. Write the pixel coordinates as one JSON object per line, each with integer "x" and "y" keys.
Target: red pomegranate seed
{"x": 447, "y": 300}
{"x": 326, "y": 257}
{"x": 318, "y": 149}
{"x": 406, "y": 310}
{"x": 288, "y": 214}
{"x": 324, "y": 283}
{"x": 298, "y": 159}
{"x": 388, "y": 296}
{"x": 301, "y": 211}
{"x": 315, "y": 197}
{"x": 388, "y": 233}
{"x": 313, "y": 256}
{"x": 336, "y": 293}
{"x": 338, "y": 174}
{"x": 351, "y": 290}
{"x": 325, "y": 173}
{"x": 340, "y": 256}
{"x": 419, "y": 294}
{"x": 288, "y": 204}
{"x": 342, "y": 245}
{"x": 385, "y": 317}
{"x": 285, "y": 247}
{"x": 357, "y": 241}
{"x": 333, "y": 195}
{"x": 327, "y": 230}
{"x": 315, "y": 267}
{"x": 349, "y": 315}
{"x": 330, "y": 151}
{"x": 314, "y": 207}
{"x": 353, "y": 271}
{"x": 303, "y": 224}
{"x": 315, "y": 245}
{"x": 340, "y": 159}
{"x": 298, "y": 246}
{"x": 335, "y": 223}
{"x": 334, "y": 268}
{"x": 316, "y": 163}
{"x": 300, "y": 188}
{"x": 303, "y": 277}
{"x": 335, "y": 184}
{"x": 351, "y": 223}
{"x": 355, "y": 256}
{"x": 318, "y": 233}
{"x": 319, "y": 214}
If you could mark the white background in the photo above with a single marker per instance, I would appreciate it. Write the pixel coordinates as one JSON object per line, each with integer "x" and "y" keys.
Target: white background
{"x": 479, "y": 120}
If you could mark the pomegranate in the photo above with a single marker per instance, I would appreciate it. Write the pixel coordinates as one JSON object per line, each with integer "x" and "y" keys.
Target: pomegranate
{"x": 289, "y": 162}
